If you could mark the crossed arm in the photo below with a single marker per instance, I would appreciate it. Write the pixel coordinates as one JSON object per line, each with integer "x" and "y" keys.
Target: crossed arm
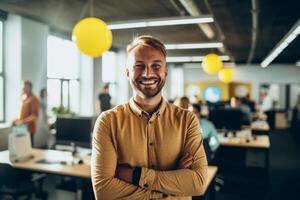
{"x": 111, "y": 181}
{"x": 125, "y": 172}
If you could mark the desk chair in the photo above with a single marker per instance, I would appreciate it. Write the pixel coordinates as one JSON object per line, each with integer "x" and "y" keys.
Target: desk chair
{"x": 14, "y": 183}
{"x": 210, "y": 155}
{"x": 295, "y": 123}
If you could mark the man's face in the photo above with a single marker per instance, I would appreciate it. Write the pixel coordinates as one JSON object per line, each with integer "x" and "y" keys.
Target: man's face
{"x": 26, "y": 88}
{"x": 234, "y": 102}
{"x": 146, "y": 70}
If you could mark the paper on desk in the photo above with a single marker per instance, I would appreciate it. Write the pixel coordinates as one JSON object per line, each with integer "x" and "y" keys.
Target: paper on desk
{"x": 223, "y": 139}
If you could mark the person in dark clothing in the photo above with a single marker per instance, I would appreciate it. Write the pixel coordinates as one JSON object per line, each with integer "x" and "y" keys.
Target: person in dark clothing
{"x": 104, "y": 99}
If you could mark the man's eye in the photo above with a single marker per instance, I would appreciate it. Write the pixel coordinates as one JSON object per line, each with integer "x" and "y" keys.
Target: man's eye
{"x": 139, "y": 66}
{"x": 156, "y": 65}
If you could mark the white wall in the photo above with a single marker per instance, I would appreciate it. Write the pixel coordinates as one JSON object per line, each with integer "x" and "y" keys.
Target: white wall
{"x": 12, "y": 65}
{"x": 86, "y": 86}
{"x": 97, "y": 76}
{"x": 34, "y": 53}
{"x": 252, "y": 74}
{"x": 122, "y": 82}
{"x": 25, "y": 56}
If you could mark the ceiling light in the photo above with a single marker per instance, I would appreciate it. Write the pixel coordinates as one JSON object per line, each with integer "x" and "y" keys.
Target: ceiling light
{"x": 284, "y": 42}
{"x": 174, "y": 59}
{"x": 229, "y": 64}
{"x": 203, "y": 45}
{"x": 193, "y": 10}
{"x": 226, "y": 64}
{"x": 161, "y": 22}
{"x": 127, "y": 25}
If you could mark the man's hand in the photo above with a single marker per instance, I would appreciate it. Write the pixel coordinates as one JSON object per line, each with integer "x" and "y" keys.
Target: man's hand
{"x": 124, "y": 172}
{"x": 16, "y": 122}
{"x": 186, "y": 161}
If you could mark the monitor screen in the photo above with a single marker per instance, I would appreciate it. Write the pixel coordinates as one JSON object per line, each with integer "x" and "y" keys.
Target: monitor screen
{"x": 216, "y": 105}
{"x": 74, "y": 129}
{"x": 212, "y": 94}
{"x": 226, "y": 118}
{"x": 251, "y": 105}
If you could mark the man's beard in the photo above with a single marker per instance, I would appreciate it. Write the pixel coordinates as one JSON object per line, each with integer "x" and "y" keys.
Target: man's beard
{"x": 148, "y": 90}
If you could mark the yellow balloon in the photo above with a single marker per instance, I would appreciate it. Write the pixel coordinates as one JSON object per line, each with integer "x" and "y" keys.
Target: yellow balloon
{"x": 212, "y": 63}
{"x": 108, "y": 40}
{"x": 226, "y": 75}
{"x": 92, "y": 36}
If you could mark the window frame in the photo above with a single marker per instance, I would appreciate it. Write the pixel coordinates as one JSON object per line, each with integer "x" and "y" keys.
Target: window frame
{"x": 68, "y": 80}
{"x": 61, "y": 81}
{"x": 2, "y": 73}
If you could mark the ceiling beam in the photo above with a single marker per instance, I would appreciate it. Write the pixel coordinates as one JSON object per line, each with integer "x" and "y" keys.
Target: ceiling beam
{"x": 170, "y": 21}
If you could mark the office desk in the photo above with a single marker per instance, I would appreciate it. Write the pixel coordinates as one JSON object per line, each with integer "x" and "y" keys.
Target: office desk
{"x": 258, "y": 127}
{"x": 244, "y": 154}
{"x": 209, "y": 187}
{"x": 78, "y": 170}
{"x": 211, "y": 174}
{"x": 261, "y": 141}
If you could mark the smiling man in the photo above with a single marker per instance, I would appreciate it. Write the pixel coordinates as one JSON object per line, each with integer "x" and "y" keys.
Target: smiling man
{"x": 147, "y": 148}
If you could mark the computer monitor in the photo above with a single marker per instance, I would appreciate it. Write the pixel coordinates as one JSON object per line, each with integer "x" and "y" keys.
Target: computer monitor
{"x": 77, "y": 130}
{"x": 226, "y": 118}
{"x": 251, "y": 105}
{"x": 216, "y": 105}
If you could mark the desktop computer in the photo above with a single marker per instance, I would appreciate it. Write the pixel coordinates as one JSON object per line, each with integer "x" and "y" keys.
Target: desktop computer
{"x": 219, "y": 104}
{"x": 74, "y": 130}
{"x": 251, "y": 105}
{"x": 226, "y": 118}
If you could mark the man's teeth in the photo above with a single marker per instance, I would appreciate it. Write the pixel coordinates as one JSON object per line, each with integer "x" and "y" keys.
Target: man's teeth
{"x": 148, "y": 82}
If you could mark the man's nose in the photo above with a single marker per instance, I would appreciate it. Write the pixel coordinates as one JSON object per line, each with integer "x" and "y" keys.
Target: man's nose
{"x": 148, "y": 71}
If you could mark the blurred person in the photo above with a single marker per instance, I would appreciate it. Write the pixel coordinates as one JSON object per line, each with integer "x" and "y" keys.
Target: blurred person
{"x": 208, "y": 129}
{"x": 236, "y": 102}
{"x": 104, "y": 98}
{"x": 183, "y": 102}
{"x": 29, "y": 109}
{"x": 42, "y": 136}
{"x": 267, "y": 102}
{"x": 138, "y": 147}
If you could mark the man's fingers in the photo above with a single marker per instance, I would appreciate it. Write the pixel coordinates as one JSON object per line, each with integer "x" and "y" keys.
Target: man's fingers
{"x": 187, "y": 160}
{"x": 188, "y": 164}
{"x": 184, "y": 157}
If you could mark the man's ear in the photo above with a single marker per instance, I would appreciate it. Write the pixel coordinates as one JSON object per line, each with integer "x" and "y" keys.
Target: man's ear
{"x": 127, "y": 72}
{"x": 167, "y": 70}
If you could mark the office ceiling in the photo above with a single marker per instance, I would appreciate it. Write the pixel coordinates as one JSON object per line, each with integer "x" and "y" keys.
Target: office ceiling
{"x": 233, "y": 23}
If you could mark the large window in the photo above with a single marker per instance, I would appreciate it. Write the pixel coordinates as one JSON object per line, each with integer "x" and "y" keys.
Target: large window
{"x": 176, "y": 82}
{"x": 1, "y": 75}
{"x": 63, "y": 83}
{"x": 109, "y": 73}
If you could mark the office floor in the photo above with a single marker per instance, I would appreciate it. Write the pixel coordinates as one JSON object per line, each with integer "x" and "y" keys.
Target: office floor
{"x": 284, "y": 173}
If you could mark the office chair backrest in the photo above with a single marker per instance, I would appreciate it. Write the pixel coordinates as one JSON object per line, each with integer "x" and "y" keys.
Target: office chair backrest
{"x": 209, "y": 153}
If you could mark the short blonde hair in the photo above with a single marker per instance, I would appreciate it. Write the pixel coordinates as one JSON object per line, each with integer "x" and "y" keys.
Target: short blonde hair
{"x": 147, "y": 40}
